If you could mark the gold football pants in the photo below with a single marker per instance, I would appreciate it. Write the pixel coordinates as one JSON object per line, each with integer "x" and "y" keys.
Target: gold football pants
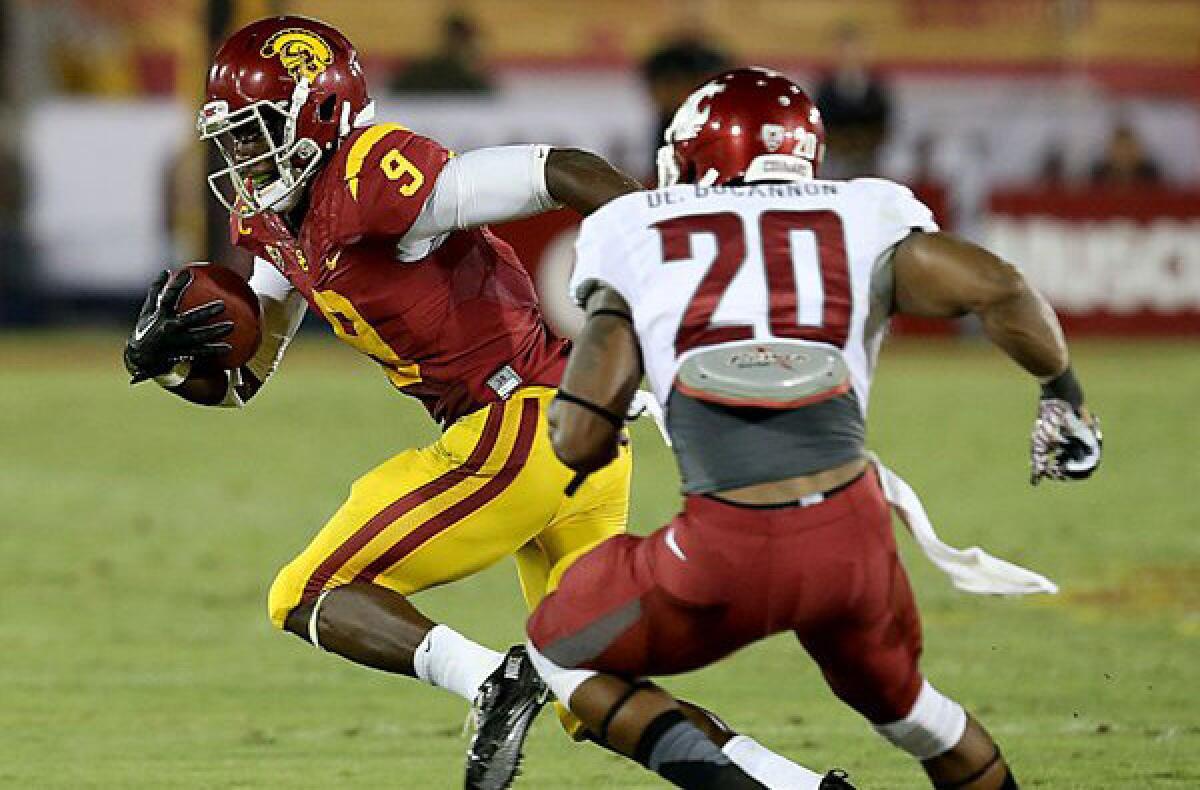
{"x": 490, "y": 487}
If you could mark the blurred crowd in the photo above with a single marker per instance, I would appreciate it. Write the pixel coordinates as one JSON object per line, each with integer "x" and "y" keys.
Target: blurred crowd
{"x": 92, "y": 48}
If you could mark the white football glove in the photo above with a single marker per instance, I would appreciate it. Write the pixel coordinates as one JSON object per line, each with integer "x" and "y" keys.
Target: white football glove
{"x": 1065, "y": 445}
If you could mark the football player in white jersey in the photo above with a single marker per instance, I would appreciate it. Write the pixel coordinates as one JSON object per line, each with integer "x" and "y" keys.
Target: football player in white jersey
{"x": 754, "y": 298}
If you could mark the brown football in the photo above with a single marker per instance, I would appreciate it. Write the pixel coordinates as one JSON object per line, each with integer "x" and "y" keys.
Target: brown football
{"x": 211, "y": 282}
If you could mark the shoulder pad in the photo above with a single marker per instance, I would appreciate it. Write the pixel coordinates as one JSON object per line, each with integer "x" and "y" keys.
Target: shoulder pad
{"x": 881, "y": 187}
{"x": 387, "y": 172}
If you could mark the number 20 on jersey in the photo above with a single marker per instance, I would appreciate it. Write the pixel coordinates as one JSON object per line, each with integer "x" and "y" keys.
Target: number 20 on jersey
{"x": 775, "y": 231}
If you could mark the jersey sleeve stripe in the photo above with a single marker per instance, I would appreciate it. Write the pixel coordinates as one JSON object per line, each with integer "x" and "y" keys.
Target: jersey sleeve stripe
{"x": 362, "y": 147}
{"x": 439, "y": 485}
{"x": 511, "y": 467}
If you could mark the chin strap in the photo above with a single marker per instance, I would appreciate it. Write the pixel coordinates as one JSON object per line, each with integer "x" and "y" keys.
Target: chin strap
{"x": 299, "y": 96}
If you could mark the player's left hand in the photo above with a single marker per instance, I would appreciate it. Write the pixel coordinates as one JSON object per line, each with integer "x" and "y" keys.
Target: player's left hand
{"x": 1066, "y": 445}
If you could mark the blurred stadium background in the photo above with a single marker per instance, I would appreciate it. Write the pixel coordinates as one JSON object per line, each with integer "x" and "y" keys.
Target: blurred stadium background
{"x": 1063, "y": 133}
{"x": 136, "y": 546}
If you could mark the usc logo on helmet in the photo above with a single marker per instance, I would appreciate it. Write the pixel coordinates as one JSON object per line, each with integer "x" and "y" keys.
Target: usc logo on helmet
{"x": 303, "y": 54}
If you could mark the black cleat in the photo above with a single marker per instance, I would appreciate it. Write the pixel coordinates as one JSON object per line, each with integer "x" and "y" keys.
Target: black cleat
{"x": 507, "y": 704}
{"x": 836, "y": 779}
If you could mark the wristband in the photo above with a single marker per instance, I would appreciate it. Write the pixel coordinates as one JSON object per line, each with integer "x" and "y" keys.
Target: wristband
{"x": 1064, "y": 386}
{"x": 175, "y": 376}
{"x": 624, "y": 316}
{"x": 614, "y": 419}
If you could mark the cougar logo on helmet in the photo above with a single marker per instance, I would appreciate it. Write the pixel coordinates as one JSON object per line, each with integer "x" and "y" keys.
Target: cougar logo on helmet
{"x": 690, "y": 118}
{"x": 303, "y": 54}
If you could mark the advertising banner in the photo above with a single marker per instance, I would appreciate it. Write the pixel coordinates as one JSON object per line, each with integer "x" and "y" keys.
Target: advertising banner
{"x": 1112, "y": 261}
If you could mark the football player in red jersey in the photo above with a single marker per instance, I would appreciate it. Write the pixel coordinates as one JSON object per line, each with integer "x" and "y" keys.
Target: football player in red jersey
{"x": 383, "y": 232}
{"x": 759, "y": 337}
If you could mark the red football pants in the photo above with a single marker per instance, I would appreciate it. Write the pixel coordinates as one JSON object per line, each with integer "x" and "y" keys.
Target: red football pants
{"x": 720, "y": 576}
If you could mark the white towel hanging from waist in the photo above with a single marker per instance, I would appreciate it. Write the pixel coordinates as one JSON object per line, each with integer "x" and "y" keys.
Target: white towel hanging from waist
{"x": 972, "y": 570}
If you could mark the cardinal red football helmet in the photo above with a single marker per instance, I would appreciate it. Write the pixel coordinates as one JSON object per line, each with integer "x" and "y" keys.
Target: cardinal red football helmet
{"x": 292, "y": 82}
{"x": 747, "y": 124}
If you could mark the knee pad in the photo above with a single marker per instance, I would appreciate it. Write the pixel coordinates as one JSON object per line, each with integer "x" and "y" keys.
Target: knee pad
{"x": 934, "y": 726}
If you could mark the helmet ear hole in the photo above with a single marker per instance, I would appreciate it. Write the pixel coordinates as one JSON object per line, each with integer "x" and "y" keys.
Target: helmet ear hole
{"x": 326, "y": 109}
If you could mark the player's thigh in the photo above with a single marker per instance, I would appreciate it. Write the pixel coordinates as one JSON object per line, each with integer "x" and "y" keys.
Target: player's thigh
{"x": 511, "y": 500}
{"x": 430, "y": 516}
{"x": 365, "y": 521}
{"x": 595, "y": 513}
{"x": 610, "y": 614}
{"x": 872, "y": 662}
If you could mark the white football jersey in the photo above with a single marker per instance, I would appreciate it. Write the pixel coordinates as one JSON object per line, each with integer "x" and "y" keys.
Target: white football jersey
{"x": 703, "y": 266}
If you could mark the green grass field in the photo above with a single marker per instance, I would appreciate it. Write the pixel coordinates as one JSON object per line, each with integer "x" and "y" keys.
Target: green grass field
{"x": 138, "y": 537}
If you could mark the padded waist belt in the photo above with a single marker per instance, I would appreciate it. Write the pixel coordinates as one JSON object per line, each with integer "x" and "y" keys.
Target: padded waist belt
{"x": 771, "y": 374}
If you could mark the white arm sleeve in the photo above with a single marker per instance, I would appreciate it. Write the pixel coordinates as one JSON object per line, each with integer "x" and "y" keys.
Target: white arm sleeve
{"x": 282, "y": 310}
{"x": 488, "y": 185}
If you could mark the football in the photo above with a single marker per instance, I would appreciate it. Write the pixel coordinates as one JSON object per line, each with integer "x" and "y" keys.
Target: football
{"x": 211, "y": 282}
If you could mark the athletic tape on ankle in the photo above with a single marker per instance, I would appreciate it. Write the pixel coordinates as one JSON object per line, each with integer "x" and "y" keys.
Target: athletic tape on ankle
{"x": 312, "y": 620}
{"x": 934, "y": 726}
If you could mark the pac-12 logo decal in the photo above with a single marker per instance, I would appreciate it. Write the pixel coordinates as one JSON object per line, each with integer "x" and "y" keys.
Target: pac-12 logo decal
{"x": 773, "y": 135}
{"x": 302, "y": 53}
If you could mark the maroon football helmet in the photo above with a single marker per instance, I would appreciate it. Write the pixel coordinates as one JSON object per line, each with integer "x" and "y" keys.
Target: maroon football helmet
{"x": 750, "y": 124}
{"x": 291, "y": 81}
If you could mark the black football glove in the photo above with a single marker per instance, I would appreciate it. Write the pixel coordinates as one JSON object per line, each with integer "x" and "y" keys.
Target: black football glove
{"x": 1066, "y": 444}
{"x": 163, "y": 337}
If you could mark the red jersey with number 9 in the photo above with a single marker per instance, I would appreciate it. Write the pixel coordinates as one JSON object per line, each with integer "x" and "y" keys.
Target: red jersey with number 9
{"x": 457, "y": 329}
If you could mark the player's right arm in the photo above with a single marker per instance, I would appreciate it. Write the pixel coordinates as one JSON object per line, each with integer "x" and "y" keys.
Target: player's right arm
{"x": 505, "y": 183}
{"x": 583, "y": 181}
{"x": 408, "y": 186}
{"x": 940, "y": 276}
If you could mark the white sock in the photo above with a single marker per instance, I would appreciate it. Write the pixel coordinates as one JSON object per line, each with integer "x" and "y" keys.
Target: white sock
{"x": 933, "y": 727}
{"x": 767, "y": 767}
{"x": 447, "y": 659}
